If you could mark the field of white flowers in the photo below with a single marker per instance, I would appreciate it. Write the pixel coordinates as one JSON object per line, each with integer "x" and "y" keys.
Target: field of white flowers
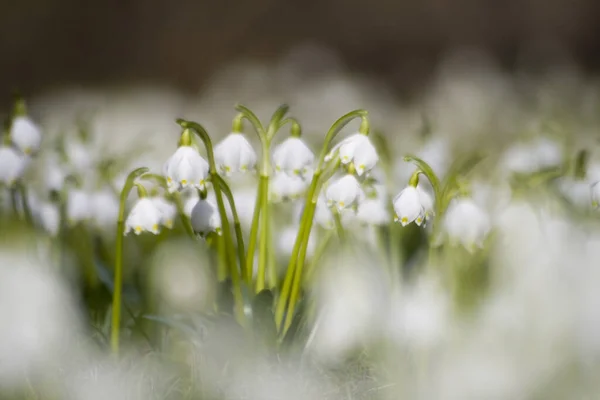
{"x": 295, "y": 231}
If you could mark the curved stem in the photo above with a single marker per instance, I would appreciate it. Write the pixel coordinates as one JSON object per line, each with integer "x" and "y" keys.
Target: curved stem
{"x": 335, "y": 129}
{"x": 118, "y": 288}
{"x": 227, "y": 238}
{"x": 236, "y": 226}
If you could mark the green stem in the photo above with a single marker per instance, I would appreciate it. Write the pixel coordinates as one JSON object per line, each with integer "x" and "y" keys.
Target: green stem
{"x": 118, "y": 289}
{"x": 227, "y": 238}
{"x": 25, "y": 203}
{"x": 236, "y": 226}
{"x": 319, "y": 251}
{"x": 271, "y": 263}
{"x": 264, "y": 235}
{"x": 253, "y": 235}
{"x": 337, "y": 217}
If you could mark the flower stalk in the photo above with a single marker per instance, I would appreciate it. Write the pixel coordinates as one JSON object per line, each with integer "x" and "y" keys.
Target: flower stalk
{"x": 118, "y": 279}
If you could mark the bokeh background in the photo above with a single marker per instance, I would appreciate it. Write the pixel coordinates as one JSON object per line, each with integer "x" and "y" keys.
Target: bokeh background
{"x": 51, "y": 43}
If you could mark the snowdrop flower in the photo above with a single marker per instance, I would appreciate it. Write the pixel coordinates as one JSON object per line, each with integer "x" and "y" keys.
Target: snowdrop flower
{"x": 185, "y": 168}
{"x": 25, "y": 135}
{"x": 167, "y": 209}
{"x": 408, "y": 206}
{"x": 344, "y": 192}
{"x": 286, "y": 186}
{"x": 427, "y": 201}
{"x": 234, "y": 153}
{"x": 54, "y": 176}
{"x": 12, "y": 165}
{"x": 547, "y": 153}
{"x": 466, "y": 223}
{"x": 144, "y": 217}
{"x": 595, "y": 189}
{"x": 79, "y": 207}
{"x": 577, "y": 192}
{"x": 104, "y": 209}
{"x": 373, "y": 212}
{"x": 205, "y": 218}
{"x": 357, "y": 149}
{"x": 49, "y": 218}
{"x": 293, "y": 156}
{"x": 323, "y": 215}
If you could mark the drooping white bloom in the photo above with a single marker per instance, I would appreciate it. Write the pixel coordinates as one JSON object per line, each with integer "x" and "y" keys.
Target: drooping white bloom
{"x": 284, "y": 186}
{"x": 25, "y": 135}
{"x": 185, "y": 168}
{"x": 79, "y": 206}
{"x": 467, "y": 223}
{"x": 358, "y": 149}
{"x": 12, "y": 165}
{"x": 49, "y": 218}
{"x": 595, "y": 191}
{"x": 143, "y": 217}
{"x": 168, "y": 211}
{"x": 104, "y": 209}
{"x": 426, "y": 201}
{"x": 235, "y": 154}
{"x": 205, "y": 218}
{"x": 344, "y": 192}
{"x": 577, "y": 192}
{"x": 293, "y": 156}
{"x": 408, "y": 207}
{"x": 373, "y": 212}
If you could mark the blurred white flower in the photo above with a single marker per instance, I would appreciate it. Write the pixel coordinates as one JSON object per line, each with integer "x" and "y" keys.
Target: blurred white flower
{"x": 358, "y": 149}
{"x": 25, "y": 135}
{"x": 344, "y": 192}
{"x": 577, "y": 192}
{"x": 373, "y": 212}
{"x": 104, "y": 209}
{"x": 284, "y": 186}
{"x": 185, "y": 168}
{"x": 530, "y": 157}
{"x": 81, "y": 158}
{"x": 49, "y": 218}
{"x": 293, "y": 156}
{"x": 466, "y": 223}
{"x": 167, "y": 209}
{"x": 12, "y": 165}
{"x": 408, "y": 207}
{"x": 144, "y": 217}
{"x": 205, "y": 218}
{"x": 234, "y": 154}
{"x": 79, "y": 206}
{"x": 547, "y": 153}
{"x": 54, "y": 174}
{"x": 323, "y": 215}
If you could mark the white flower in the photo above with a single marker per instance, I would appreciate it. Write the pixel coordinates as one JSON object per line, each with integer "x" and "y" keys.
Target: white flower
{"x": 577, "y": 192}
{"x": 467, "y": 223}
{"x": 80, "y": 156}
{"x": 49, "y": 218}
{"x": 234, "y": 153}
{"x": 205, "y": 218}
{"x": 144, "y": 217}
{"x": 344, "y": 192}
{"x": 595, "y": 191}
{"x": 25, "y": 135}
{"x": 426, "y": 201}
{"x": 547, "y": 152}
{"x": 284, "y": 186}
{"x": 185, "y": 168}
{"x": 54, "y": 175}
{"x": 12, "y": 165}
{"x": 293, "y": 156}
{"x": 168, "y": 211}
{"x": 373, "y": 212}
{"x": 104, "y": 209}
{"x": 79, "y": 206}
{"x": 408, "y": 206}
{"x": 358, "y": 149}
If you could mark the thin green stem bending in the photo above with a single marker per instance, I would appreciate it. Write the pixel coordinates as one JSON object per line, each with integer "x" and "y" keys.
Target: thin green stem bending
{"x": 118, "y": 285}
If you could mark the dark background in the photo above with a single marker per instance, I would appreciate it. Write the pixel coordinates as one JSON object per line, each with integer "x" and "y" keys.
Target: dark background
{"x": 48, "y": 43}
